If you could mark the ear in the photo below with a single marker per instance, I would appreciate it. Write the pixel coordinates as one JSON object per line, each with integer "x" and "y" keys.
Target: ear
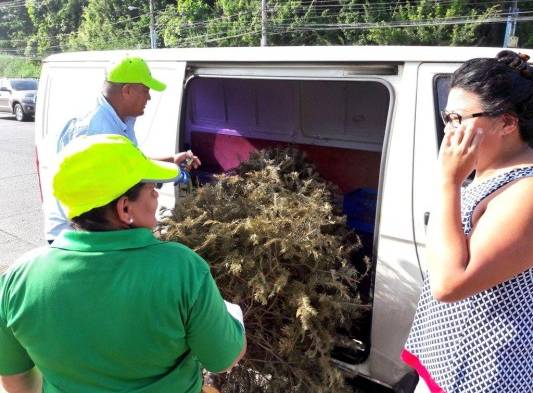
{"x": 126, "y": 90}
{"x": 510, "y": 124}
{"x": 122, "y": 210}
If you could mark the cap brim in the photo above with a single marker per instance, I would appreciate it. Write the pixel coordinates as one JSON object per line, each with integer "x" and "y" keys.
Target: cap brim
{"x": 156, "y": 85}
{"x": 160, "y": 172}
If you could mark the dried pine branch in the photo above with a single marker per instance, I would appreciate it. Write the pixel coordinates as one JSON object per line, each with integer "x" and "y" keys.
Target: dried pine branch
{"x": 279, "y": 248}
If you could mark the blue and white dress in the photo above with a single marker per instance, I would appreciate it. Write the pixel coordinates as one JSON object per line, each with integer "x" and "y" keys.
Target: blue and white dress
{"x": 484, "y": 343}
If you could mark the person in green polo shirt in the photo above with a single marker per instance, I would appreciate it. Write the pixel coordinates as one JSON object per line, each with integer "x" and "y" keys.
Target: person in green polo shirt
{"x": 109, "y": 307}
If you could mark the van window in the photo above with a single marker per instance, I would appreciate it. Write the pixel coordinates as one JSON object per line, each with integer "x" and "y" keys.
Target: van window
{"x": 441, "y": 89}
{"x": 24, "y": 84}
{"x": 347, "y": 111}
{"x": 348, "y": 114}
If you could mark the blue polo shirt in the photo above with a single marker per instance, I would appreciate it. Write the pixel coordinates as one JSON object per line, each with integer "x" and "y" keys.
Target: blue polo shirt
{"x": 117, "y": 311}
{"x": 101, "y": 120}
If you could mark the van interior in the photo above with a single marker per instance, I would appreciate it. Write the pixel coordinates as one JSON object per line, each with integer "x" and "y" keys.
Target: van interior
{"x": 339, "y": 124}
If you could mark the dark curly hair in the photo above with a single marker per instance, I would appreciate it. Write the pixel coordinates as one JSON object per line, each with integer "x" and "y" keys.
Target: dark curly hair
{"x": 504, "y": 84}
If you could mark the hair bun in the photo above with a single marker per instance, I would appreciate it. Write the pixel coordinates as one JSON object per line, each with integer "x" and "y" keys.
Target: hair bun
{"x": 518, "y": 61}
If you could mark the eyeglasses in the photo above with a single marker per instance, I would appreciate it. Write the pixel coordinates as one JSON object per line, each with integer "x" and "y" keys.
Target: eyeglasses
{"x": 456, "y": 119}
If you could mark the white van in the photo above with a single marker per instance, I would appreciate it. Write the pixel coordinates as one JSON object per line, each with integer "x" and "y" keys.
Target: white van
{"x": 368, "y": 117}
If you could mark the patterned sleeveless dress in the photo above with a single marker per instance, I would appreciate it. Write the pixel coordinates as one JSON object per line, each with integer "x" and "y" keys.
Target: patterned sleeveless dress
{"x": 484, "y": 343}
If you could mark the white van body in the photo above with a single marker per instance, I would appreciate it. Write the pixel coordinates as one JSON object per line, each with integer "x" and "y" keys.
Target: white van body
{"x": 407, "y": 145}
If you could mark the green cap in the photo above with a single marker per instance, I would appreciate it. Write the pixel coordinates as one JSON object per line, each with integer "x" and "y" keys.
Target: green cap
{"x": 134, "y": 70}
{"x": 97, "y": 169}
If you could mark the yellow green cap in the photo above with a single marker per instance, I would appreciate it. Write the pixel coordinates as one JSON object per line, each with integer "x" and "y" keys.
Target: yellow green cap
{"x": 134, "y": 70}
{"x": 94, "y": 170}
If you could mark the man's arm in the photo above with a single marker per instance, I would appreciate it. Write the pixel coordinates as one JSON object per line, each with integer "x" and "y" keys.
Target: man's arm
{"x": 187, "y": 157}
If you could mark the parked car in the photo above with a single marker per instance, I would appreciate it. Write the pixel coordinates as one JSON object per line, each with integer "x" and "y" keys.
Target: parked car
{"x": 18, "y": 96}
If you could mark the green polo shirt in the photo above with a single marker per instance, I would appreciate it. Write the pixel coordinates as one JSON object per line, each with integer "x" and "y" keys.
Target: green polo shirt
{"x": 116, "y": 311}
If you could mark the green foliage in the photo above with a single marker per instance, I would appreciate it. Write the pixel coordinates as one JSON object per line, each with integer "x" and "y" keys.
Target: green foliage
{"x": 343, "y": 22}
{"x": 37, "y": 28}
{"x": 15, "y": 28}
{"x": 54, "y": 21}
{"x": 427, "y": 12}
{"x": 525, "y": 29}
{"x": 278, "y": 247}
{"x": 111, "y": 25}
{"x": 289, "y": 20}
{"x": 16, "y": 67}
{"x": 198, "y": 23}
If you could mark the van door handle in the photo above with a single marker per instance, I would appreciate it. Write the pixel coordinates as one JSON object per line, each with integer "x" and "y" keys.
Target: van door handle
{"x": 426, "y": 219}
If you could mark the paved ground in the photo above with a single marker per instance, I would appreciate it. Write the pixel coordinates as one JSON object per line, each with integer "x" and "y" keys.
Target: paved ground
{"x": 21, "y": 222}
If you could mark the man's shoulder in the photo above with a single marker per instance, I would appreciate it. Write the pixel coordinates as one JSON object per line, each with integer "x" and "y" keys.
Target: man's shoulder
{"x": 99, "y": 120}
{"x": 95, "y": 122}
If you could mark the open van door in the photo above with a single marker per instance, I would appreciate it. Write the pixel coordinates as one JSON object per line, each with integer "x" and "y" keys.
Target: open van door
{"x": 433, "y": 87}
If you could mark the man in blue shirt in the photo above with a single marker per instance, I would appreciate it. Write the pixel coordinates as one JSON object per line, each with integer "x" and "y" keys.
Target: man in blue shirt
{"x": 124, "y": 96}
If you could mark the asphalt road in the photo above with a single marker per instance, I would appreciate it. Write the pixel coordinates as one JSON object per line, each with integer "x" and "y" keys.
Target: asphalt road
{"x": 21, "y": 221}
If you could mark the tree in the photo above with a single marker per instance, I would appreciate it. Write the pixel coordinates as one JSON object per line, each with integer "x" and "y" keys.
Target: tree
{"x": 342, "y": 22}
{"x": 54, "y": 21}
{"x": 15, "y": 28}
{"x": 184, "y": 24}
{"x": 427, "y": 16}
{"x": 111, "y": 25}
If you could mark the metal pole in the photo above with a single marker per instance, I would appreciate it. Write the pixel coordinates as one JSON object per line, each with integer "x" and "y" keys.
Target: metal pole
{"x": 264, "y": 23}
{"x": 510, "y": 27}
{"x": 515, "y": 15}
{"x": 153, "y": 36}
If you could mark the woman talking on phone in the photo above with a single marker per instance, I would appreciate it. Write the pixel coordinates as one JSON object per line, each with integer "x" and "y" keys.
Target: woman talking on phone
{"x": 473, "y": 329}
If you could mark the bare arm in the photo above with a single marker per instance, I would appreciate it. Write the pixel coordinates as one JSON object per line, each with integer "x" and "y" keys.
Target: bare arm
{"x": 499, "y": 246}
{"x": 447, "y": 245}
{"x": 26, "y": 382}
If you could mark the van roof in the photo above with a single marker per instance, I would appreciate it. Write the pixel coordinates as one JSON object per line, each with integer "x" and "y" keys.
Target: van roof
{"x": 275, "y": 54}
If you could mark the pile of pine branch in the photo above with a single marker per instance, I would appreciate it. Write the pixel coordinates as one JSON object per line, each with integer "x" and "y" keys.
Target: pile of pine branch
{"x": 279, "y": 248}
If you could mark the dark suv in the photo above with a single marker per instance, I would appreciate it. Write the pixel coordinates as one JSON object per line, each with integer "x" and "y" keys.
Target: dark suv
{"x": 18, "y": 96}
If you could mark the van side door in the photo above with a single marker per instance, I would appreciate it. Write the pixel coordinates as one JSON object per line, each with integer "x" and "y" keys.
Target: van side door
{"x": 432, "y": 88}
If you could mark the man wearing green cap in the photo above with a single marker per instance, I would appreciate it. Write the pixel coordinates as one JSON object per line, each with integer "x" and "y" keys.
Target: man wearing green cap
{"x": 125, "y": 94}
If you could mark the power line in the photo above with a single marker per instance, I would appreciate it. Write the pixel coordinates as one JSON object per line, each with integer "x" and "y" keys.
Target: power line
{"x": 339, "y": 14}
{"x": 378, "y": 7}
{"x": 410, "y": 2}
{"x": 13, "y": 4}
{"x": 400, "y": 24}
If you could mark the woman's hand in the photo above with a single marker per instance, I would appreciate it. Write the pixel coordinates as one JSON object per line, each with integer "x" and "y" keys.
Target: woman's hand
{"x": 458, "y": 152}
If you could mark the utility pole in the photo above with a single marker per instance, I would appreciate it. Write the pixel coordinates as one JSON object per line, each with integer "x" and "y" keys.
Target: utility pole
{"x": 510, "y": 40}
{"x": 264, "y": 23}
{"x": 153, "y": 36}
